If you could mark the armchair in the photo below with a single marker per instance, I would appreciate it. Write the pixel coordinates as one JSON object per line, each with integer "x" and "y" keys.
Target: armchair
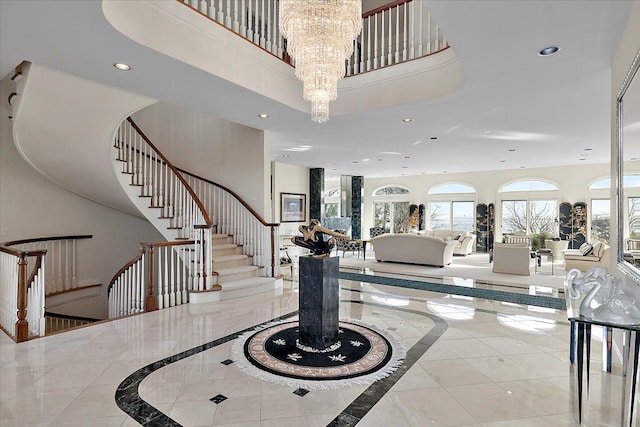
{"x": 346, "y": 245}
{"x": 511, "y": 258}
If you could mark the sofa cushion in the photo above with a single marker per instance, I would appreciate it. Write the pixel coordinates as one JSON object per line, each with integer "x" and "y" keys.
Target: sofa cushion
{"x": 598, "y": 249}
{"x": 586, "y": 248}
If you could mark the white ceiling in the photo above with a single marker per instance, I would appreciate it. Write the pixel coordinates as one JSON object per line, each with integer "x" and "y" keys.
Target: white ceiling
{"x": 552, "y": 110}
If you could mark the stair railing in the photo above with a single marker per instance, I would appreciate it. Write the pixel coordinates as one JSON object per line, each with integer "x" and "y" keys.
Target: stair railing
{"x": 61, "y": 262}
{"x": 394, "y": 33}
{"x": 167, "y": 190}
{"x": 391, "y": 34}
{"x": 233, "y": 216}
{"x": 160, "y": 276}
{"x": 22, "y": 293}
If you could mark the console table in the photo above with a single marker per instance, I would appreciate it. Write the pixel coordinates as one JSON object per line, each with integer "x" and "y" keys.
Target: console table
{"x": 580, "y": 355}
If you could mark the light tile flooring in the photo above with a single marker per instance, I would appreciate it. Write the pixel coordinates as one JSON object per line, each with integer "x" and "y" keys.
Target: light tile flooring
{"x": 497, "y": 364}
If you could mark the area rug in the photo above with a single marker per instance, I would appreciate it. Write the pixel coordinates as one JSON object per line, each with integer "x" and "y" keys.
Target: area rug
{"x": 362, "y": 355}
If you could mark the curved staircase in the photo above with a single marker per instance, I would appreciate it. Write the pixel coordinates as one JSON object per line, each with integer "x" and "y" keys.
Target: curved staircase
{"x": 231, "y": 267}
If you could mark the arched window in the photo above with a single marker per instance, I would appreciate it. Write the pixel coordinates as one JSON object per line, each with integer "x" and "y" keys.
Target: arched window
{"x": 529, "y": 207}
{"x": 452, "y": 189}
{"x": 528, "y": 185}
{"x": 391, "y": 209}
{"x": 452, "y": 206}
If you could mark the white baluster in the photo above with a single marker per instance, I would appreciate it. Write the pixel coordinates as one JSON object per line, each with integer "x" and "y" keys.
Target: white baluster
{"x": 172, "y": 295}
{"x": 227, "y": 18}
{"x": 420, "y": 36}
{"x": 250, "y": 20}
{"x": 398, "y": 34}
{"x": 220, "y": 17}
{"x": 202, "y": 7}
{"x": 243, "y": 19}
{"x": 389, "y": 52}
{"x": 74, "y": 277}
{"x": 404, "y": 33}
{"x": 236, "y": 24}
{"x": 267, "y": 45}
{"x": 259, "y": 30}
{"x": 212, "y": 9}
{"x": 382, "y": 41}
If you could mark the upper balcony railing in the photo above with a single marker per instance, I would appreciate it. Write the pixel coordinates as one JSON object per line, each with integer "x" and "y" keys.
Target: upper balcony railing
{"x": 392, "y": 34}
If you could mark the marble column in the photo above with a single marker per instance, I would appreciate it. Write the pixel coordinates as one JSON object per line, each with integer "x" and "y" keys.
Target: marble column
{"x": 316, "y": 193}
{"x": 357, "y": 184}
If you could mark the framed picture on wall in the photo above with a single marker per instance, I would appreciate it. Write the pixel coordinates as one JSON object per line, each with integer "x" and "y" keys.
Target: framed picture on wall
{"x": 293, "y": 207}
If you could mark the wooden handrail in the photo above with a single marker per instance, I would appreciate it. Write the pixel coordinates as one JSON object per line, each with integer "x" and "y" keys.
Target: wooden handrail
{"x": 46, "y": 239}
{"x": 384, "y": 7}
{"x": 124, "y": 267}
{"x": 35, "y": 269}
{"x": 237, "y": 197}
{"x": 197, "y": 200}
{"x": 19, "y": 253}
{"x": 11, "y": 97}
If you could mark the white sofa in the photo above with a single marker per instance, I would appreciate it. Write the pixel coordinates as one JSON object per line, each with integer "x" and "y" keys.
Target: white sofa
{"x": 573, "y": 258}
{"x": 465, "y": 240}
{"x": 413, "y": 249}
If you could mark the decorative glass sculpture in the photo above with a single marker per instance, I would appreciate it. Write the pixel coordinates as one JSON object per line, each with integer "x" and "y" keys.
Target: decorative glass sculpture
{"x": 604, "y": 299}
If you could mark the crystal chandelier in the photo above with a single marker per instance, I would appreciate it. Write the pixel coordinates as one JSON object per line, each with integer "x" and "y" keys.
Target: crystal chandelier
{"x": 320, "y": 36}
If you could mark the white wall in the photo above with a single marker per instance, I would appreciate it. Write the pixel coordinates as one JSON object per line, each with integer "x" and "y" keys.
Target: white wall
{"x": 289, "y": 179}
{"x": 33, "y": 206}
{"x": 226, "y": 153}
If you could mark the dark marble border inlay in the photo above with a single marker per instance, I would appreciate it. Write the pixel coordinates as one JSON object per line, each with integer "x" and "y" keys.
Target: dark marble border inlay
{"x": 490, "y": 294}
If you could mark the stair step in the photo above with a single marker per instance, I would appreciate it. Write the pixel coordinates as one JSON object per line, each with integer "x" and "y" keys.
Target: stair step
{"x": 252, "y": 286}
{"x": 227, "y": 258}
{"x": 223, "y": 246}
{"x": 236, "y": 270}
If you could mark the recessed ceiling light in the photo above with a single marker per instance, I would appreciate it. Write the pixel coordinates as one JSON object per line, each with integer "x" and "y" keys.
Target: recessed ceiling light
{"x": 285, "y": 155}
{"x": 522, "y": 167}
{"x": 503, "y": 161}
{"x": 355, "y": 161}
{"x": 263, "y": 116}
{"x": 407, "y": 120}
{"x": 404, "y": 167}
{"x": 434, "y": 137}
{"x": 512, "y": 149}
{"x": 122, "y": 67}
{"x": 379, "y": 160}
{"x": 549, "y": 51}
{"x": 407, "y": 157}
{"x": 588, "y": 149}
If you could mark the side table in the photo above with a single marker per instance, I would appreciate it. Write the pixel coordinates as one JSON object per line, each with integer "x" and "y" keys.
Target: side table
{"x": 580, "y": 355}
{"x": 544, "y": 252}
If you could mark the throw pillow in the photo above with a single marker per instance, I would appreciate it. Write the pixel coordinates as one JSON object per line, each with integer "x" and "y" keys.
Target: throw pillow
{"x": 598, "y": 249}
{"x": 458, "y": 236}
{"x": 586, "y": 249}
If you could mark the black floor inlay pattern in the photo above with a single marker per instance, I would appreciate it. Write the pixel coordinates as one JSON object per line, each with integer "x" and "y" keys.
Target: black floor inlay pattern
{"x": 128, "y": 399}
{"x": 219, "y": 398}
{"x": 301, "y": 392}
{"x": 227, "y": 362}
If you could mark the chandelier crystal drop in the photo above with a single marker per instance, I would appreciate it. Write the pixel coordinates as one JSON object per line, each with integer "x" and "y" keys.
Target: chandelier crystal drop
{"x": 320, "y": 36}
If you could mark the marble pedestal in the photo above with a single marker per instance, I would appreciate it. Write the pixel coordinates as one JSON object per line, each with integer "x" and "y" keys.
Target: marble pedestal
{"x": 319, "y": 301}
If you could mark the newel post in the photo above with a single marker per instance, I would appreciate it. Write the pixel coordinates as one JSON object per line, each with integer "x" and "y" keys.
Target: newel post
{"x": 273, "y": 252}
{"x": 22, "y": 325}
{"x": 150, "y": 300}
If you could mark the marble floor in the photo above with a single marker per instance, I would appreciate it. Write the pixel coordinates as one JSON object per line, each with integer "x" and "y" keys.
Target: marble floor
{"x": 470, "y": 362}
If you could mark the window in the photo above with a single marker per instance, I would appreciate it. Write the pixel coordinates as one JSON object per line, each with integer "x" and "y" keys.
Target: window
{"x": 528, "y": 185}
{"x": 452, "y": 215}
{"x": 332, "y": 203}
{"x": 530, "y": 209}
{"x": 448, "y": 208}
{"x": 634, "y": 217}
{"x": 523, "y": 217}
{"x": 391, "y": 209}
{"x": 600, "y": 219}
